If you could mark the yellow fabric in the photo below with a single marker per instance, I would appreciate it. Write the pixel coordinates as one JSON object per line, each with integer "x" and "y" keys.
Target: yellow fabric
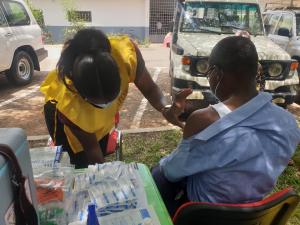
{"x": 80, "y": 112}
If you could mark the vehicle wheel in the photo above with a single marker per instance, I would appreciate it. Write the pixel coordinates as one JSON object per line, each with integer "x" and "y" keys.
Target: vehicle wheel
{"x": 21, "y": 70}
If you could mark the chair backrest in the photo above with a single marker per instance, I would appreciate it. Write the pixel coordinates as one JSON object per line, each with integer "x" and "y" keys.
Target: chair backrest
{"x": 117, "y": 119}
{"x": 274, "y": 210}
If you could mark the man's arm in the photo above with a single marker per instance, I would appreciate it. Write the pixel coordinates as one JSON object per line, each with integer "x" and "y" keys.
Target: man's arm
{"x": 199, "y": 120}
{"x": 88, "y": 141}
{"x": 190, "y": 158}
{"x": 154, "y": 95}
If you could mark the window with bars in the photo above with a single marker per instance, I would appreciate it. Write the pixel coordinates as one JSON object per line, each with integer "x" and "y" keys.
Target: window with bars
{"x": 161, "y": 15}
{"x": 84, "y": 16}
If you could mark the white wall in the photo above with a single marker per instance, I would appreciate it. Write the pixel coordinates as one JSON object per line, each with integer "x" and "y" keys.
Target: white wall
{"x": 53, "y": 12}
{"x": 105, "y": 13}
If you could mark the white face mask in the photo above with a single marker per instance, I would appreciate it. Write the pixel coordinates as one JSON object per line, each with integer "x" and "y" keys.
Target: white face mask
{"x": 100, "y": 106}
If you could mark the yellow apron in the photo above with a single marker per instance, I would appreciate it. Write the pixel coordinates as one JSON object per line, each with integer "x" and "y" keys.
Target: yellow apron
{"x": 89, "y": 118}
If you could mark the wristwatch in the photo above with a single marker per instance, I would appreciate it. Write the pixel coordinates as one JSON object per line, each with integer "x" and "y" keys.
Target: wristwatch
{"x": 165, "y": 108}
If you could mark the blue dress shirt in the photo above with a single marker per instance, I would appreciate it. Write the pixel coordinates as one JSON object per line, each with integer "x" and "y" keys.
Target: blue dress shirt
{"x": 238, "y": 158}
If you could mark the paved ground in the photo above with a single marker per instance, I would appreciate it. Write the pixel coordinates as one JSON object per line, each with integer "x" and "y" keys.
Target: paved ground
{"x": 22, "y": 107}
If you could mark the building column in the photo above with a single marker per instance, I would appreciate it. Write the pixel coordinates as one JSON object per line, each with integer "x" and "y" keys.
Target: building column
{"x": 147, "y": 18}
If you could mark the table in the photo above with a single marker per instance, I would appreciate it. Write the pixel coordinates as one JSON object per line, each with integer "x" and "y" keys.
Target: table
{"x": 153, "y": 195}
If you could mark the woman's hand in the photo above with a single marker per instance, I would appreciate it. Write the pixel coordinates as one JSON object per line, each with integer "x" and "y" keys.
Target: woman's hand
{"x": 172, "y": 113}
{"x": 94, "y": 156}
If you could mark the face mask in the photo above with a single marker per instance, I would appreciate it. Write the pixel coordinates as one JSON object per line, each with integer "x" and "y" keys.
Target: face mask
{"x": 102, "y": 106}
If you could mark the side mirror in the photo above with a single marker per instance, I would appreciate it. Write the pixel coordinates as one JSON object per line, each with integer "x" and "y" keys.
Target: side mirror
{"x": 267, "y": 28}
{"x": 284, "y": 32}
{"x": 177, "y": 49}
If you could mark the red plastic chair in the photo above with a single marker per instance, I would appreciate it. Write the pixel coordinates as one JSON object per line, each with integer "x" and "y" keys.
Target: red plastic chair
{"x": 114, "y": 144}
{"x": 274, "y": 210}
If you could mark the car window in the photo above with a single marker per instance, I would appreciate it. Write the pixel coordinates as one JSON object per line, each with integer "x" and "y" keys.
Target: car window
{"x": 266, "y": 21}
{"x": 3, "y": 22}
{"x": 266, "y": 18}
{"x": 272, "y": 23}
{"x": 16, "y": 13}
{"x": 221, "y": 17}
{"x": 286, "y": 21}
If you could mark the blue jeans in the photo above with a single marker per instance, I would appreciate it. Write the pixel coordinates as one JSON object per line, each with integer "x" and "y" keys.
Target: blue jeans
{"x": 173, "y": 194}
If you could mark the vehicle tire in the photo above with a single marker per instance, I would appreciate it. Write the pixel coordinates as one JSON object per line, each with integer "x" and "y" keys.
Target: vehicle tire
{"x": 21, "y": 70}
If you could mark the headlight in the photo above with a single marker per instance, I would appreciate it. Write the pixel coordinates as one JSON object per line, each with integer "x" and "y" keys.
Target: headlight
{"x": 275, "y": 69}
{"x": 202, "y": 66}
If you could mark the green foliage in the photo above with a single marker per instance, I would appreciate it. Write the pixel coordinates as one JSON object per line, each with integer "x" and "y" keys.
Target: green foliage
{"x": 73, "y": 29}
{"x": 296, "y": 157}
{"x": 148, "y": 148}
{"x": 76, "y": 24}
{"x": 145, "y": 43}
{"x": 37, "y": 13}
{"x": 39, "y": 17}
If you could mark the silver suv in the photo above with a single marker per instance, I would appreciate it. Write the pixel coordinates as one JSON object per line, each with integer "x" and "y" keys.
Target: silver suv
{"x": 21, "y": 44}
{"x": 200, "y": 24}
{"x": 283, "y": 27}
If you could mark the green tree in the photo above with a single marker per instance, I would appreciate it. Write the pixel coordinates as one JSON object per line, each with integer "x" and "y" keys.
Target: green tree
{"x": 39, "y": 17}
{"x": 76, "y": 23}
{"x": 37, "y": 13}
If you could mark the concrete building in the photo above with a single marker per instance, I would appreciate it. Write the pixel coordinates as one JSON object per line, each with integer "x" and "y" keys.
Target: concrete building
{"x": 279, "y": 3}
{"x": 140, "y": 19}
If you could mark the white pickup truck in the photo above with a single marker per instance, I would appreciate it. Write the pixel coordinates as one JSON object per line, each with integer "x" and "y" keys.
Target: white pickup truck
{"x": 200, "y": 24}
{"x": 21, "y": 44}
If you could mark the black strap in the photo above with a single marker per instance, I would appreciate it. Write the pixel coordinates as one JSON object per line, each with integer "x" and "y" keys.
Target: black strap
{"x": 24, "y": 210}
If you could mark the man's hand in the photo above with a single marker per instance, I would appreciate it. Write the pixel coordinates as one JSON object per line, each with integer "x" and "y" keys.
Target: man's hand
{"x": 172, "y": 114}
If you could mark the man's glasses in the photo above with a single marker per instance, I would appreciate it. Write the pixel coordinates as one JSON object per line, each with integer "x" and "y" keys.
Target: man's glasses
{"x": 209, "y": 70}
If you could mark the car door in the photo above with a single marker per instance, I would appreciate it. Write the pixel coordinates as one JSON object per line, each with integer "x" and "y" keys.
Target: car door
{"x": 20, "y": 23}
{"x": 286, "y": 23}
{"x": 5, "y": 42}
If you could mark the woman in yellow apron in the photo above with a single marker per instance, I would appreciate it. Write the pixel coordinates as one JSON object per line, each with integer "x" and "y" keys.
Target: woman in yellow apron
{"x": 89, "y": 86}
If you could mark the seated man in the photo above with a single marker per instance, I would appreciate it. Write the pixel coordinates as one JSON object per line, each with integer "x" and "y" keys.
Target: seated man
{"x": 234, "y": 151}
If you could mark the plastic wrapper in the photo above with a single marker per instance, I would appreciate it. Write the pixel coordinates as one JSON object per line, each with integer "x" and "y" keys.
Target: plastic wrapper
{"x": 113, "y": 187}
{"x": 44, "y": 159}
{"x": 111, "y": 196}
{"x": 54, "y": 184}
{"x": 54, "y": 195}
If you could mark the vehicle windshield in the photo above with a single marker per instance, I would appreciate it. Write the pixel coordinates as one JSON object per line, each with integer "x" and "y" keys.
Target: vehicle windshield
{"x": 298, "y": 24}
{"x": 223, "y": 18}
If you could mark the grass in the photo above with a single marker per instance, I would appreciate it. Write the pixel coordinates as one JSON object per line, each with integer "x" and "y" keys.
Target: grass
{"x": 149, "y": 148}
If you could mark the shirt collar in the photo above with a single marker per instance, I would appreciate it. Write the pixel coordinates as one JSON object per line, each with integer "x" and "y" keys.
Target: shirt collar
{"x": 235, "y": 117}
